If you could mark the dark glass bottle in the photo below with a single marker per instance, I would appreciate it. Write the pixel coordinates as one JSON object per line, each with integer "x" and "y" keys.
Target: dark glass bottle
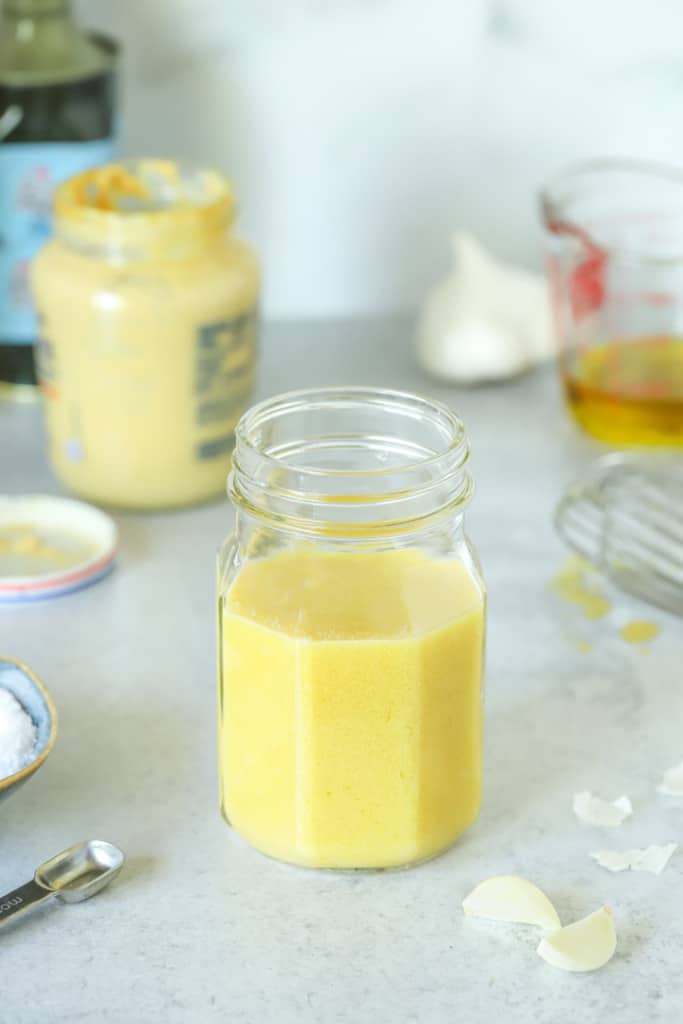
{"x": 57, "y": 117}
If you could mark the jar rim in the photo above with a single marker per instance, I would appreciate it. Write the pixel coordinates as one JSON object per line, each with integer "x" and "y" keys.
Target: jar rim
{"x": 402, "y": 463}
{"x": 304, "y": 398}
{"x": 136, "y": 205}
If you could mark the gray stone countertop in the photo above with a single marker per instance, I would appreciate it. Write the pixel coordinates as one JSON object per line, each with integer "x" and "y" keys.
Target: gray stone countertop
{"x": 200, "y": 927}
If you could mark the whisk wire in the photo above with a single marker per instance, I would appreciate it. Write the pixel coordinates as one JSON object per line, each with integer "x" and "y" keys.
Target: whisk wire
{"x": 627, "y": 519}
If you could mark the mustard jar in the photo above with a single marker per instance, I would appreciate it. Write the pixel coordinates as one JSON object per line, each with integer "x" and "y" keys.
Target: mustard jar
{"x": 147, "y": 338}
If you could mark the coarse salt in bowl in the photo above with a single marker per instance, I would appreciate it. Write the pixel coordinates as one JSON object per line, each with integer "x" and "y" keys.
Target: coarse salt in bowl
{"x": 18, "y": 735}
{"x": 28, "y": 724}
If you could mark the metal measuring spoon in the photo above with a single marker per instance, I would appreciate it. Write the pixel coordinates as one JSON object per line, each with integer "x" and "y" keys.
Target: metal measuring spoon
{"x": 74, "y": 875}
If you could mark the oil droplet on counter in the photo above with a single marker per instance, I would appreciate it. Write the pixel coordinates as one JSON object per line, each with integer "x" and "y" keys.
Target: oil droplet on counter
{"x": 574, "y": 583}
{"x": 639, "y": 631}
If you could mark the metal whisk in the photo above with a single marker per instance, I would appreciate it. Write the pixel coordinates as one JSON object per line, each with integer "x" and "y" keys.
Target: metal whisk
{"x": 626, "y": 518}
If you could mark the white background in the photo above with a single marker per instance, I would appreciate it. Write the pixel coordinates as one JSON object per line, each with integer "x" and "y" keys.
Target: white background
{"x": 360, "y": 133}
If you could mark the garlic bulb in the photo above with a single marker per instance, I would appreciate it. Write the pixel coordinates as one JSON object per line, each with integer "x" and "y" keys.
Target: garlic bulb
{"x": 486, "y": 320}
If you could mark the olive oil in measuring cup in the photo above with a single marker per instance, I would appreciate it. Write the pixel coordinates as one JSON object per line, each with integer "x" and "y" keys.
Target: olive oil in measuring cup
{"x": 614, "y": 234}
{"x": 628, "y": 391}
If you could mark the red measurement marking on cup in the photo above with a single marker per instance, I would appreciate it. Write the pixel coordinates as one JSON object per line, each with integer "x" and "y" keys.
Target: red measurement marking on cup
{"x": 586, "y": 280}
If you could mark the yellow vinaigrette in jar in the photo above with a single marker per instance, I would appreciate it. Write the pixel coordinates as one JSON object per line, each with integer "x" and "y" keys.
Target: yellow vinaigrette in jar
{"x": 351, "y": 713}
{"x": 147, "y": 346}
{"x": 351, "y": 610}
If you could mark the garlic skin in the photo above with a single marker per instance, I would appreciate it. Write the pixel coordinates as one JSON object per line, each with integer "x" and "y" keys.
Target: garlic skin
{"x": 593, "y": 810}
{"x": 672, "y": 782}
{"x": 653, "y": 858}
{"x": 486, "y": 321}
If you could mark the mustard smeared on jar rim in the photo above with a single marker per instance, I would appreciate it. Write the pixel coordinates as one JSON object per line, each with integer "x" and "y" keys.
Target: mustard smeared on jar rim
{"x": 134, "y": 203}
{"x": 134, "y": 186}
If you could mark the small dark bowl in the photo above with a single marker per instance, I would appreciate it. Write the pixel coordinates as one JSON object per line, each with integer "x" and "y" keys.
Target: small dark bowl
{"x": 37, "y": 702}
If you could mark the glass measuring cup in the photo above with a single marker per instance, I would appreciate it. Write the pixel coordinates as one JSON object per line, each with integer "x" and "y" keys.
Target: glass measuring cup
{"x": 614, "y": 242}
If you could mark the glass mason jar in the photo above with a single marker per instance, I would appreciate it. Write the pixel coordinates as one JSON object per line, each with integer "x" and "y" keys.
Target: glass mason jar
{"x": 351, "y": 629}
{"x": 614, "y": 239}
{"x": 147, "y": 345}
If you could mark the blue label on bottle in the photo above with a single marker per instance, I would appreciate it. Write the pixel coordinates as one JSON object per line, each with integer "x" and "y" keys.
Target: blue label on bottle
{"x": 29, "y": 172}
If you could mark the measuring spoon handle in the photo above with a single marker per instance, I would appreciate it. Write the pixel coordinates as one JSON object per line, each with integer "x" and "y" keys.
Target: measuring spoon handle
{"x": 22, "y": 899}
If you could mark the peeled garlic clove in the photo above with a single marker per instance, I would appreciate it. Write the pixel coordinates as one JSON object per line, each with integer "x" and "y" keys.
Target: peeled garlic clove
{"x": 509, "y": 898}
{"x": 583, "y": 946}
{"x": 672, "y": 782}
{"x": 593, "y": 810}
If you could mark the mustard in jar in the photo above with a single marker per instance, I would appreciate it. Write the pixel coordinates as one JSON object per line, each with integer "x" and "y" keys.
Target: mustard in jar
{"x": 147, "y": 340}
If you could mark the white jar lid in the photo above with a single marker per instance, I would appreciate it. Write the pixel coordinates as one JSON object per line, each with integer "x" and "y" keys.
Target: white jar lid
{"x": 52, "y": 546}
